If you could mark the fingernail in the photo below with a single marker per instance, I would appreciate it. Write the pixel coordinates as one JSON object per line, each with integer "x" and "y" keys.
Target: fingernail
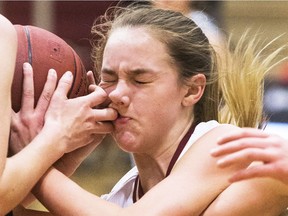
{"x": 26, "y": 65}
{"x": 68, "y": 74}
{"x": 52, "y": 72}
{"x": 221, "y": 163}
{"x": 219, "y": 139}
{"x": 213, "y": 152}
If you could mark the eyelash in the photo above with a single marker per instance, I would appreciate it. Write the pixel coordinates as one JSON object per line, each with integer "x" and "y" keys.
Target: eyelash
{"x": 133, "y": 80}
{"x": 140, "y": 82}
{"x": 108, "y": 81}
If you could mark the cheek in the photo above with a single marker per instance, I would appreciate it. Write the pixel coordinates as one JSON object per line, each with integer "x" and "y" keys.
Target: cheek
{"x": 160, "y": 110}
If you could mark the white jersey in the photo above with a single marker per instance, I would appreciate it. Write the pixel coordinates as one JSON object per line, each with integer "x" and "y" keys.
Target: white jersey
{"x": 122, "y": 192}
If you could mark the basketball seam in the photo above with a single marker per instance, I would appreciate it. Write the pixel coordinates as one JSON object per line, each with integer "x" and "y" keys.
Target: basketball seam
{"x": 75, "y": 73}
{"x": 26, "y": 30}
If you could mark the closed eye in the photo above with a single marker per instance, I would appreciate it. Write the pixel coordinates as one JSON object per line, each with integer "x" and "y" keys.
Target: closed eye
{"x": 141, "y": 82}
{"x": 108, "y": 76}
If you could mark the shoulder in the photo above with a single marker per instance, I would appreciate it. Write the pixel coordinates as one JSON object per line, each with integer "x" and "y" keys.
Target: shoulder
{"x": 8, "y": 39}
{"x": 7, "y": 29}
{"x": 207, "y": 134}
{"x": 195, "y": 179}
{"x": 8, "y": 48}
{"x": 199, "y": 159}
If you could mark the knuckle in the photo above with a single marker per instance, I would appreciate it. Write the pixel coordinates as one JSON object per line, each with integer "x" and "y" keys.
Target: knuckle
{"x": 242, "y": 144}
{"x": 28, "y": 93}
{"x": 47, "y": 95}
{"x": 250, "y": 155}
{"x": 100, "y": 92}
{"x": 275, "y": 141}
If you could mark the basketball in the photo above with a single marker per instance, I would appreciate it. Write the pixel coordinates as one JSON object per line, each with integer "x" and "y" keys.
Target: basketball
{"x": 45, "y": 50}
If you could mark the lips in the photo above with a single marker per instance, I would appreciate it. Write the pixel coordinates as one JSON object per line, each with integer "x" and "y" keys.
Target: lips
{"x": 121, "y": 120}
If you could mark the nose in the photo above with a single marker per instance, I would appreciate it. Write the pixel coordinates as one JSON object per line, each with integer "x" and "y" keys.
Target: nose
{"x": 120, "y": 94}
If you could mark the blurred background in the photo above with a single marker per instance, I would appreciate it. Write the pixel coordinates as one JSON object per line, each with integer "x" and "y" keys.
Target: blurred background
{"x": 72, "y": 20}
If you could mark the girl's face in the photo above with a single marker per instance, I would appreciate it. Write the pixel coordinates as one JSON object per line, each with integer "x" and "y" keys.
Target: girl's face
{"x": 143, "y": 86}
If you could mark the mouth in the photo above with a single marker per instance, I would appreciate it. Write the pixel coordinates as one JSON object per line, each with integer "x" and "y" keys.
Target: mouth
{"x": 121, "y": 119}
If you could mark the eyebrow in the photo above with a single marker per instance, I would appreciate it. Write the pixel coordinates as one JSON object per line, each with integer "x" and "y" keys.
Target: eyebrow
{"x": 108, "y": 71}
{"x": 135, "y": 72}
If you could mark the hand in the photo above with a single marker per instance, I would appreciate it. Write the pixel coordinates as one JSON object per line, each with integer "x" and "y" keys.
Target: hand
{"x": 27, "y": 123}
{"x": 71, "y": 161}
{"x": 93, "y": 86}
{"x": 251, "y": 145}
{"x": 91, "y": 78}
{"x": 75, "y": 120}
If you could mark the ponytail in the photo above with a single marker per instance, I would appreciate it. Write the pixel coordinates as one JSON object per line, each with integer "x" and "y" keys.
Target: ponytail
{"x": 242, "y": 74}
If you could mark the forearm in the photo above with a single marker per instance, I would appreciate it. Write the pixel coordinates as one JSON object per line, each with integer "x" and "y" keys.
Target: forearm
{"x": 27, "y": 166}
{"x": 262, "y": 196}
{"x": 61, "y": 196}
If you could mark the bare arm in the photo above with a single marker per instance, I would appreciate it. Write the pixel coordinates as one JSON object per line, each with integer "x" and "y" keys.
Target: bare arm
{"x": 257, "y": 197}
{"x": 19, "y": 173}
{"x": 193, "y": 184}
{"x": 196, "y": 186}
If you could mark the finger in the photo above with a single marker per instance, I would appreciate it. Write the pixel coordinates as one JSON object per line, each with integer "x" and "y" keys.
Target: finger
{"x": 252, "y": 172}
{"x": 91, "y": 78}
{"x": 91, "y": 81}
{"x": 28, "y": 88}
{"x": 92, "y": 88}
{"x": 14, "y": 120}
{"x": 96, "y": 97}
{"x": 47, "y": 92}
{"x": 237, "y": 145}
{"x": 107, "y": 114}
{"x": 244, "y": 132}
{"x": 103, "y": 128}
{"x": 246, "y": 156}
{"x": 64, "y": 85}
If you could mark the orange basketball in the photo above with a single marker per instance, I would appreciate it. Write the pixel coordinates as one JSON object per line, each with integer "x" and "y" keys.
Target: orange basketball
{"x": 45, "y": 50}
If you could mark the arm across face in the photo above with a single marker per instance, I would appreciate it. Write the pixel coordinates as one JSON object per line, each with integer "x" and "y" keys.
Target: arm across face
{"x": 196, "y": 186}
{"x": 193, "y": 184}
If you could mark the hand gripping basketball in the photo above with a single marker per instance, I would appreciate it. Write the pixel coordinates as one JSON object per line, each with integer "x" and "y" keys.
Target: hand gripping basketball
{"x": 45, "y": 50}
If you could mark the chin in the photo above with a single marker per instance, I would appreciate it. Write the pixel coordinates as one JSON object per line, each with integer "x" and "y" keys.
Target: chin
{"x": 126, "y": 141}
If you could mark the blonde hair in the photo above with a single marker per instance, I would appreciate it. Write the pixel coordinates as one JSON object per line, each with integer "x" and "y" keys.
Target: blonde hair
{"x": 242, "y": 73}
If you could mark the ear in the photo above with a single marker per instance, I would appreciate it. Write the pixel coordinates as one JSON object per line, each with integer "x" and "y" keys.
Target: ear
{"x": 195, "y": 90}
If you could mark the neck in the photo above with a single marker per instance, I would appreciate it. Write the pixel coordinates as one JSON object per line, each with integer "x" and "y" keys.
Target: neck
{"x": 152, "y": 169}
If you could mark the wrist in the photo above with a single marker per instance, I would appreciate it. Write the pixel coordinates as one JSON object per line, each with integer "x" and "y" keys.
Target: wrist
{"x": 53, "y": 140}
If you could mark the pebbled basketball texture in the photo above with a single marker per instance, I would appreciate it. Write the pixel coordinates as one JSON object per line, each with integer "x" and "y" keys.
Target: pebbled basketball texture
{"x": 45, "y": 50}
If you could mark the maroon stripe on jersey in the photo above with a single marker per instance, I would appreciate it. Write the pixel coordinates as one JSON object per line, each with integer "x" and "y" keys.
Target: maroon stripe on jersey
{"x": 180, "y": 149}
{"x": 138, "y": 190}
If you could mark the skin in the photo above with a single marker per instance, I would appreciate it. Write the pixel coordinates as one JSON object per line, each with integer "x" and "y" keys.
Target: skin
{"x": 200, "y": 186}
{"x": 60, "y": 134}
